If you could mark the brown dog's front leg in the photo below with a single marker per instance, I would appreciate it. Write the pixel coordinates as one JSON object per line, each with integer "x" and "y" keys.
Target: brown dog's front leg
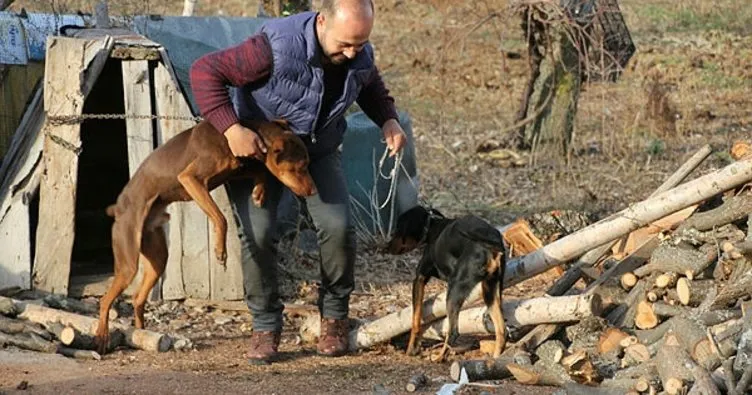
{"x": 200, "y": 194}
{"x": 419, "y": 286}
{"x": 259, "y": 188}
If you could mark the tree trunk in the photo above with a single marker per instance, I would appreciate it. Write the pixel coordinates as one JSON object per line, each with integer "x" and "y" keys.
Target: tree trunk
{"x": 555, "y": 95}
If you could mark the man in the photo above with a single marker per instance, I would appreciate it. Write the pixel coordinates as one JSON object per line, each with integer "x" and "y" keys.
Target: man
{"x": 307, "y": 69}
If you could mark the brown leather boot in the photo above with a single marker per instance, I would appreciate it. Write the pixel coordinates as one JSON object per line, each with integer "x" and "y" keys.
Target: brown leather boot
{"x": 264, "y": 345}
{"x": 333, "y": 340}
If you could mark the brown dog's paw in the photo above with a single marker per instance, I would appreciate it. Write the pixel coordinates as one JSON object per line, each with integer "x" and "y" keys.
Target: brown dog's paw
{"x": 102, "y": 342}
{"x": 221, "y": 254}
{"x": 412, "y": 351}
{"x": 259, "y": 194}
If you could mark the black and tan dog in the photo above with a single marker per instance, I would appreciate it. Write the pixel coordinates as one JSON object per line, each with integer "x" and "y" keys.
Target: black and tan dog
{"x": 463, "y": 252}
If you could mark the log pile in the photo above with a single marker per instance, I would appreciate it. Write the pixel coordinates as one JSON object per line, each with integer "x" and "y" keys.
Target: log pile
{"x": 57, "y": 324}
{"x": 674, "y": 313}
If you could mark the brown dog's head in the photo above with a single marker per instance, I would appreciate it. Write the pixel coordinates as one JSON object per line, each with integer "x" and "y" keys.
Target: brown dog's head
{"x": 411, "y": 230}
{"x": 286, "y": 157}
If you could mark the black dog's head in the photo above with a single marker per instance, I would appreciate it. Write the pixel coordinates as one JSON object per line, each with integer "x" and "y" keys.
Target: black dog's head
{"x": 411, "y": 229}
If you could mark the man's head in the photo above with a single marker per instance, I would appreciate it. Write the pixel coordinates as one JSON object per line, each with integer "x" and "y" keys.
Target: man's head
{"x": 343, "y": 28}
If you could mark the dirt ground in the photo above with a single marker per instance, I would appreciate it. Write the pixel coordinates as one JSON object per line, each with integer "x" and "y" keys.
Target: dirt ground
{"x": 461, "y": 83}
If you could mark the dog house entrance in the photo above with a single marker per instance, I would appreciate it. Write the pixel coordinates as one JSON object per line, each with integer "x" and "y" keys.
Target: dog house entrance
{"x": 102, "y": 174}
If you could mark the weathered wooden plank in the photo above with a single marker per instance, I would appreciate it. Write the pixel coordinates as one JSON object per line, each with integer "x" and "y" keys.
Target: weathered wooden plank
{"x": 176, "y": 282}
{"x": 226, "y": 284}
{"x": 67, "y": 80}
{"x": 16, "y": 88}
{"x": 139, "y": 133}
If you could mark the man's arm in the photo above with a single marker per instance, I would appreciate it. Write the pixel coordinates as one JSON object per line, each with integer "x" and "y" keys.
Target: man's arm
{"x": 210, "y": 75}
{"x": 375, "y": 101}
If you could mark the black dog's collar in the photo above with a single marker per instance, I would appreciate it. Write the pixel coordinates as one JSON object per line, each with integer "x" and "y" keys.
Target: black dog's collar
{"x": 431, "y": 215}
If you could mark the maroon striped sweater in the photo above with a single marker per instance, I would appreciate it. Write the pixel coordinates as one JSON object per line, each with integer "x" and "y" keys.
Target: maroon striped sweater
{"x": 251, "y": 61}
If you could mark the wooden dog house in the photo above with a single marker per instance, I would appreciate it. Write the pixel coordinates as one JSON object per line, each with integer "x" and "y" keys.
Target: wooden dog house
{"x": 108, "y": 98}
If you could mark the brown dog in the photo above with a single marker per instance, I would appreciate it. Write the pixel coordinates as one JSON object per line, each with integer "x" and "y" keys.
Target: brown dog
{"x": 187, "y": 167}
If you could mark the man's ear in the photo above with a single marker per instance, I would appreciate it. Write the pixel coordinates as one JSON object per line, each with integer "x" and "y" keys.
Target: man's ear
{"x": 282, "y": 122}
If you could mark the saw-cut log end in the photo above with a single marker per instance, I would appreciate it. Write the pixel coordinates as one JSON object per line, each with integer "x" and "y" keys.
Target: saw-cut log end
{"x": 645, "y": 318}
{"x": 628, "y": 280}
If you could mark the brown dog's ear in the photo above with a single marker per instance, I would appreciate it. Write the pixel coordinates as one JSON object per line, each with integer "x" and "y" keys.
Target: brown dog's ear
{"x": 282, "y": 122}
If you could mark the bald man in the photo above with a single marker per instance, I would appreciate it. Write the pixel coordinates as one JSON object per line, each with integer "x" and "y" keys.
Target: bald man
{"x": 307, "y": 69}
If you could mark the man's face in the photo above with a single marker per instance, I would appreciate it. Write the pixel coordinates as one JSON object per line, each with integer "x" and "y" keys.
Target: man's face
{"x": 343, "y": 34}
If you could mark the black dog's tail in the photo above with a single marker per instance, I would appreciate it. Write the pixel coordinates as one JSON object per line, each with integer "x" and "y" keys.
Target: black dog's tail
{"x": 481, "y": 231}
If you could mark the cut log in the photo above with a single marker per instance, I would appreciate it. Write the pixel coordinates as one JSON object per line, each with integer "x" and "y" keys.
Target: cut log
{"x": 519, "y": 313}
{"x": 744, "y": 350}
{"x": 586, "y": 333}
{"x": 75, "y": 306}
{"x": 27, "y": 341}
{"x": 671, "y": 363}
{"x": 693, "y": 292}
{"x": 636, "y": 354}
{"x": 706, "y": 317}
{"x": 733, "y": 209}
{"x": 540, "y": 374}
{"x": 579, "y": 367}
{"x": 489, "y": 369}
{"x": 742, "y": 387}
{"x": 136, "y": 338}
{"x": 703, "y": 384}
{"x": 611, "y": 340}
{"x": 645, "y": 317}
{"x": 666, "y": 280}
{"x": 739, "y": 285}
{"x": 687, "y": 261}
{"x": 570, "y": 246}
{"x": 12, "y": 327}
{"x": 416, "y": 382}
{"x": 624, "y": 314}
{"x": 79, "y": 354}
{"x": 628, "y": 280}
{"x": 75, "y": 339}
{"x": 551, "y": 351}
{"x": 7, "y": 308}
{"x": 692, "y": 335}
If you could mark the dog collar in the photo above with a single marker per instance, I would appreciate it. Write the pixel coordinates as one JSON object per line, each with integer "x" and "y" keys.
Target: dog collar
{"x": 431, "y": 215}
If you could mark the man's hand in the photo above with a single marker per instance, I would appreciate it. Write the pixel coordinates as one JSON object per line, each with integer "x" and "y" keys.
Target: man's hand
{"x": 394, "y": 136}
{"x": 245, "y": 142}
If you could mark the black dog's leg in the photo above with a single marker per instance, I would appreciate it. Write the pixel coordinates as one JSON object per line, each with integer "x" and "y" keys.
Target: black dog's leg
{"x": 492, "y": 297}
{"x": 419, "y": 286}
{"x": 423, "y": 273}
{"x": 458, "y": 291}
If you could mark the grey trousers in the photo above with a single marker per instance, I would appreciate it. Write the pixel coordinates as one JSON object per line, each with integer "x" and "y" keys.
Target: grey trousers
{"x": 330, "y": 212}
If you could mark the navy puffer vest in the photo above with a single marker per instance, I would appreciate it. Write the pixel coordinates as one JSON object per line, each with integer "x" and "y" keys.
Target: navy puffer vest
{"x": 295, "y": 89}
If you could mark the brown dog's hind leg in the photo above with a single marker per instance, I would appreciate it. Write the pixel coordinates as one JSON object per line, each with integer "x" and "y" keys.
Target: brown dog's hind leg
{"x": 419, "y": 286}
{"x": 125, "y": 249}
{"x": 154, "y": 249}
{"x": 200, "y": 194}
